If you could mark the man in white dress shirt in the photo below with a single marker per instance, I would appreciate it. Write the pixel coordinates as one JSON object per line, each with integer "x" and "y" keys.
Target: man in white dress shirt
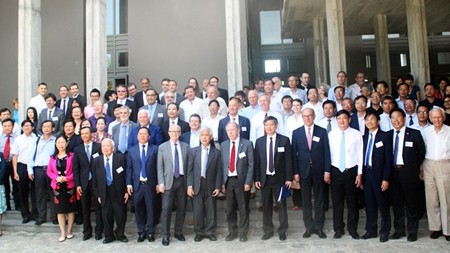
{"x": 257, "y": 126}
{"x": 387, "y": 103}
{"x": 38, "y": 101}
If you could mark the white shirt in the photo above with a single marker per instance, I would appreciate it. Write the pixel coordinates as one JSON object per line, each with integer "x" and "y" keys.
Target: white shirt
{"x": 421, "y": 128}
{"x": 292, "y": 124}
{"x": 401, "y": 138}
{"x": 356, "y": 90}
{"x": 61, "y": 106}
{"x": 437, "y": 144}
{"x": 362, "y": 123}
{"x": 236, "y": 144}
{"x": 38, "y": 102}
{"x": 385, "y": 122}
{"x": 353, "y": 144}
{"x": 213, "y": 124}
{"x": 274, "y": 138}
{"x": 318, "y": 110}
{"x": 190, "y": 107}
{"x": 374, "y": 134}
{"x": 195, "y": 139}
{"x": 204, "y": 155}
{"x": 180, "y": 157}
{"x": 323, "y": 123}
{"x": 23, "y": 147}
{"x": 414, "y": 119}
{"x": 204, "y": 108}
{"x": 257, "y": 125}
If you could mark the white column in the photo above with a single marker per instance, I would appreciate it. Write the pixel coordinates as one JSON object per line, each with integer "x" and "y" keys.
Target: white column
{"x": 382, "y": 49}
{"x": 29, "y": 48}
{"x": 418, "y": 41}
{"x": 320, "y": 61}
{"x": 236, "y": 42}
{"x": 336, "y": 37}
{"x": 96, "y": 73}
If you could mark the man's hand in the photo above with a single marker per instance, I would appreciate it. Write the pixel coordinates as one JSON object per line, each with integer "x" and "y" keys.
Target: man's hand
{"x": 31, "y": 176}
{"x": 421, "y": 173}
{"x": 190, "y": 192}
{"x": 288, "y": 184}
{"x": 258, "y": 185}
{"x": 327, "y": 177}
{"x": 223, "y": 188}
{"x": 99, "y": 201}
{"x": 384, "y": 185}
{"x": 79, "y": 190}
{"x": 216, "y": 192}
{"x": 358, "y": 181}
{"x": 161, "y": 188}
{"x": 16, "y": 177}
{"x": 247, "y": 187}
{"x": 126, "y": 198}
{"x": 130, "y": 190}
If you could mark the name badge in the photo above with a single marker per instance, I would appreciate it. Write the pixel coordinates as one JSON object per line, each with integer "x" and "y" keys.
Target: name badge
{"x": 281, "y": 149}
{"x": 160, "y": 115}
{"x": 244, "y": 129}
{"x": 242, "y": 155}
{"x": 409, "y": 144}
{"x": 119, "y": 170}
{"x": 55, "y": 118}
{"x": 316, "y": 139}
{"x": 379, "y": 144}
{"x": 95, "y": 155}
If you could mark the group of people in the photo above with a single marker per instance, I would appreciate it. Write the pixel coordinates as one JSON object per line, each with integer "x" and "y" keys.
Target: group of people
{"x": 373, "y": 150}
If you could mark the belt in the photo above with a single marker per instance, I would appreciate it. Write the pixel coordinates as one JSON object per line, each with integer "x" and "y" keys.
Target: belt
{"x": 346, "y": 169}
{"x": 143, "y": 182}
{"x": 268, "y": 175}
{"x": 40, "y": 167}
{"x": 399, "y": 166}
{"x": 232, "y": 176}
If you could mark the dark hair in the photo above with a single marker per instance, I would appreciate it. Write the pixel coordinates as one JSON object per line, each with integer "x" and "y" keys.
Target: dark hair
{"x": 272, "y": 118}
{"x": 388, "y": 97}
{"x": 361, "y": 97}
{"x": 429, "y": 84}
{"x": 445, "y": 79}
{"x": 372, "y": 113}
{"x": 214, "y": 101}
{"x": 386, "y": 86}
{"x": 27, "y": 121}
{"x": 343, "y": 72}
{"x": 35, "y": 117}
{"x": 95, "y": 90}
{"x": 84, "y": 120}
{"x": 235, "y": 98}
{"x": 195, "y": 115}
{"x": 5, "y": 110}
{"x": 73, "y": 84}
{"x": 55, "y": 154}
{"x": 189, "y": 87}
{"x": 82, "y": 114}
{"x": 329, "y": 102}
{"x": 398, "y": 87}
{"x": 109, "y": 93}
{"x": 117, "y": 106}
{"x": 50, "y": 95}
{"x": 240, "y": 93}
{"x": 90, "y": 129}
{"x": 42, "y": 84}
{"x": 144, "y": 127}
{"x": 312, "y": 88}
{"x": 48, "y": 121}
{"x": 397, "y": 110}
{"x": 409, "y": 77}
{"x": 340, "y": 112}
{"x": 8, "y": 120}
{"x": 100, "y": 118}
{"x": 165, "y": 80}
{"x": 214, "y": 77}
{"x": 178, "y": 108}
{"x": 69, "y": 121}
{"x": 287, "y": 97}
{"x": 339, "y": 87}
{"x": 298, "y": 100}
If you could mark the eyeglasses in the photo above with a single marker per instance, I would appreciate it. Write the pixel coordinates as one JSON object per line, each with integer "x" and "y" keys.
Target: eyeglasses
{"x": 175, "y": 132}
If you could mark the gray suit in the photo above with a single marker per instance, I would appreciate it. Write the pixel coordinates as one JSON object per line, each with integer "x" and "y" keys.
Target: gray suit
{"x": 159, "y": 115}
{"x": 175, "y": 188}
{"x": 204, "y": 204}
{"x": 236, "y": 197}
{"x": 57, "y": 118}
{"x": 116, "y": 133}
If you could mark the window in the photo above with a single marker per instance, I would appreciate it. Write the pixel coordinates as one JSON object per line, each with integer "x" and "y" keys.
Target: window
{"x": 108, "y": 61}
{"x": 122, "y": 59}
{"x": 270, "y": 27}
{"x": 272, "y": 66}
{"x": 116, "y": 17}
{"x": 443, "y": 58}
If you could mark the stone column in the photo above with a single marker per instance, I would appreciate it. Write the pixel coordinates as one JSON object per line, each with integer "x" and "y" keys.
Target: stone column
{"x": 320, "y": 61}
{"x": 418, "y": 41}
{"x": 236, "y": 39}
{"x": 95, "y": 29}
{"x": 336, "y": 37}
{"x": 382, "y": 49}
{"x": 29, "y": 52}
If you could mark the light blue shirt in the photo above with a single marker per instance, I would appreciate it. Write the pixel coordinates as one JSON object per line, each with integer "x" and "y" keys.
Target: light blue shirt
{"x": 45, "y": 149}
{"x": 250, "y": 111}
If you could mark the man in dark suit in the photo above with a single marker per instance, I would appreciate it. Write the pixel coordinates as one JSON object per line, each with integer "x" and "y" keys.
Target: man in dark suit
{"x": 172, "y": 113}
{"x": 156, "y": 136}
{"x": 244, "y": 123}
{"x": 52, "y": 113}
{"x": 237, "y": 157}
{"x": 311, "y": 155}
{"x": 110, "y": 190}
{"x": 141, "y": 183}
{"x": 357, "y": 119}
{"x": 65, "y": 103}
{"x": 82, "y": 160}
{"x": 204, "y": 181}
{"x": 158, "y": 113}
{"x": 405, "y": 183}
{"x": 122, "y": 131}
{"x": 273, "y": 169}
{"x": 123, "y": 100}
{"x": 177, "y": 97}
{"x": 74, "y": 91}
{"x": 223, "y": 93}
{"x": 140, "y": 98}
{"x": 376, "y": 177}
{"x": 173, "y": 158}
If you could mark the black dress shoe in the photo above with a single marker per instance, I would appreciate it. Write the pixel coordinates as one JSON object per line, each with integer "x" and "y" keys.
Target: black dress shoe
{"x": 141, "y": 237}
{"x": 307, "y": 234}
{"x": 338, "y": 235}
{"x": 447, "y": 238}
{"x": 354, "y": 235}
{"x": 55, "y": 222}
{"x": 180, "y": 237}
{"x": 369, "y": 236}
{"x": 243, "y": 238}
{"x": 26, "y": 220}
{"x": 212, "y": 237}
{"x": 199, "y": 238}
{"x": 434, "y": 235}
{"x": 321, "y": 234}
{"x": 396, "y": 236}
{"x": 267, "y": 236}
{"x": 98, "y": 237}
{"x": 384, "y": 238}
{"x": 165, "y": 241}
{"x": 282, "y": 237}
{"x": 151, "y": 238}
{"x": 230, "y": 237}
{"x": 123, "y": 239}
{"x": 39, "y": 222}
{"x": 108, "y": 240}
{"x": 87, "y": 237}
{"x": 412, "y": 237}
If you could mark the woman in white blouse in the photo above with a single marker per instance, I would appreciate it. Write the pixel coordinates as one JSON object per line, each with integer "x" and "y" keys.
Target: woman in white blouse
{"x": 295, "y": 121}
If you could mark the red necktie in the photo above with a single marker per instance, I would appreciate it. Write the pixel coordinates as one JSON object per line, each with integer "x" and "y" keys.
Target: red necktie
{"x": 232, "y": 158}
{"x": 7, "y": 149}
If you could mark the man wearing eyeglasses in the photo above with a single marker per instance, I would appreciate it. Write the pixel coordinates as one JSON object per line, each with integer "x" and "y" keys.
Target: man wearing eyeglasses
{"x": 123, "y": 100}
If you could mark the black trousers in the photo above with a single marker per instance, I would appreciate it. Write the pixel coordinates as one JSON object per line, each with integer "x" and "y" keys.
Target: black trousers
{"x": 375, "y": 200}
{"x": 204, "y": 208}
{"x": 43, "y": 193}
{"x": 313, "y": 185}
{"x": 270, "y": 191}
{"x": 114, "y": 209}
{"x": 87, "y": 201}
{"x": 11, "y": 186}
{"x": 176, "y": 193}
{"x": 297, "y": 197}
{"x": 25, "y": 186}
{"x": 343, "y": 188}
{"x": 237, "y": 199}
{"x": 144, "y": 199}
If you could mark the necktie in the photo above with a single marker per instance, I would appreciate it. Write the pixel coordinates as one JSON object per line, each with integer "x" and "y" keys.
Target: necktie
{"x": 151, "y": 112}
{"x": 7, "y": 149}
{"x": 88, "y": 154}
{"x": 108, "y": 173}
{"x": 64, "y": 105}
{"x": 173, "y": 122}
{"x": 143, "y": 160}
{"x": 329, "y": 126}
{"x": 369, "y": 150}
{"x": 309, "y": 138}
{"x": 265, "y": 117}
{"x": 411, "y": 122}
{"x": 176, "y": 171}
{"x": 271, "y": 155}
{"x": 396, "y": 147}
{"x": 204, "y": 162}
{"x": 342, "y": 154}
{"x": 123, "y": 139}
{"x": 234, "y": 119}
{"x": 232, "y": 158}
{"x": 49, "y": 115}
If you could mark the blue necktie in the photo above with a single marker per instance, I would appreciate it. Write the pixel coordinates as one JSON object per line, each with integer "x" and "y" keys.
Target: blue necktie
{"x": 369, "y": 150}
{"x": 123, "y": 139}
{"x": 342, "y": 154}
{"x": 396, "y": 147}
{"x": 88, "y": 153}
{"x": 176, "y": 171}
{"x": 108, "y": 173}
{"x": 143, "y": 159}
{"x": 411, "y": 122}
{"x": 49, "y": 115}
{"x": 151, "y": 112}
{"x": 204, "y": 162}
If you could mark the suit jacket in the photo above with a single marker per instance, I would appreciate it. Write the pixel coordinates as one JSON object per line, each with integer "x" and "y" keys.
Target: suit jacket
{"x": 118, "y": 177}
{"x": 68, "y": 111}
{"x": 129, "y": 103}
{"x": 213, "y": 169}
{"x": 178, "y": 99}
{"x": 165, "y": 128}
{"x": 186, "y": 137}
{"x": 355, "y": 124}
{"x": 381, "y": 155}
{"x": 156, "y": 136}
{"x": 319, "y": 155}
{"x": 159, "y": 115}
{"x": 57, "y": 117}
{"x": 165, "y": 162}
{"x": 244, "y": 125}
{"x": 413, "y": 154}
{"x": 282, "y": 159}
{"x": 53, "y": 174}
{"x": 223, "y": 94}
{"x": 82, "y": 166}
{"x": 139, "y": 98}
{"x": 134, "y": 166}
{"x": 244, "y": 162}
{"x": 116, "y": 133}
{"x": 73, "y": 142}
{"x": 81, "y": 100}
